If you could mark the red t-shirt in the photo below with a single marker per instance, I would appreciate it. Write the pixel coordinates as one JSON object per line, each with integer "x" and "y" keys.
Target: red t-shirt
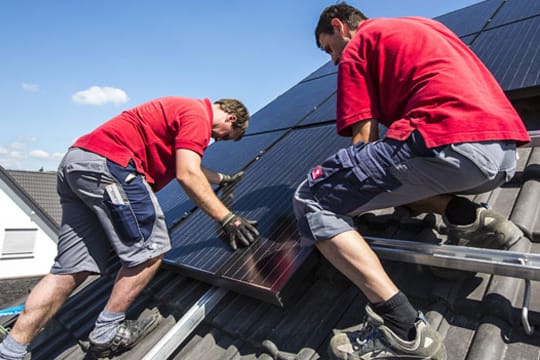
{"x": 149, "y": 134}
{"x": 414, "y": 73}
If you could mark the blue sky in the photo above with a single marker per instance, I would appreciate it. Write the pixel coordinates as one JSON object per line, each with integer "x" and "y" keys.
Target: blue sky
{"x": 67, "y": 66}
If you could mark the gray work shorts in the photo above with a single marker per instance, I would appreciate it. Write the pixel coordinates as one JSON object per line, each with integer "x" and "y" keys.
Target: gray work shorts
{"x": 388, "y": 173}
{"x": 105, "y": 205}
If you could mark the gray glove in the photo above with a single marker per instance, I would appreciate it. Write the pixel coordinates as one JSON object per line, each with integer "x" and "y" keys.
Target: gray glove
{"x": 240, "y": 232}
{"x": 231, "y": 179}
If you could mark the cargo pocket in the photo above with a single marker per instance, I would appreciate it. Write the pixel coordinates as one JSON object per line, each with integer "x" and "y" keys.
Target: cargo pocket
{"x": 340, "y": 186}
{"x": 122, "y": 215}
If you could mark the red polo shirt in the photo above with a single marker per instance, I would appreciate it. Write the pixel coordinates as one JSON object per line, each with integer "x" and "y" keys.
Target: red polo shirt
{"x": 414, "y": 73}
{"x": 149, "y": 134}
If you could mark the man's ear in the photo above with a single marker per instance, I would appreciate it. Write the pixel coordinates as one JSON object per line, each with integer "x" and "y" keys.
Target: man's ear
{"x": 339, "y": 26}
{"x": 231, "y": 117}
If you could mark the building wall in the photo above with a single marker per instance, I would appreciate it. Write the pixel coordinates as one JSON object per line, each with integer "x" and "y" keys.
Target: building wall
{"x": 19, "y": 225}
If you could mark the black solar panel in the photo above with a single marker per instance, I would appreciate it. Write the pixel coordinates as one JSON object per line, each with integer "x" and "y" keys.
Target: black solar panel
{"x": 265, "y": 194}
{"x": 515, "y": 10}
{"x": 223, "y": 156}
{"x": 511, "y": 53}
{"x": 471, "y": 19}
{"x": 328, "y": 68}
{"x": 325, "y": 112}
{"x": 291, "y": 107}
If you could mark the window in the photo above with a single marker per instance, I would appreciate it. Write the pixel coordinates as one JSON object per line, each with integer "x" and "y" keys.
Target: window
{"x": 19, "y": 242}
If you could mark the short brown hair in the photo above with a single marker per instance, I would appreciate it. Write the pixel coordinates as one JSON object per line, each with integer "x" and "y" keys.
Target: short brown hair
{"x": 342, "y": 11}
{"x": 235, "y": 107}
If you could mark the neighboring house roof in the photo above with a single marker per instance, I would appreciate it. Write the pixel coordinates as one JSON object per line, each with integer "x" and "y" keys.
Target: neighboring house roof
{"x": 38, "y": 191}
{"x": 477, "y": 315}
{"x": 41, "y": 186}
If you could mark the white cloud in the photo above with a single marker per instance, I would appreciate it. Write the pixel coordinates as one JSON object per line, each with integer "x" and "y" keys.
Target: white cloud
{"x": 96, "y": 95}
{"x": 16, "y": 155}
{"x": 30, "y": 87}
{"x": 3, "y": 150}
{"x": 17, "y": 145}
{"x": 57, "y": 155}
{"x": 39, "y": 154}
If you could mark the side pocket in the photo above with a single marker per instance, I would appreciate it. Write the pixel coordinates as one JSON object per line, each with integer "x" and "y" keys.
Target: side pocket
{"x": 122, "y": 215}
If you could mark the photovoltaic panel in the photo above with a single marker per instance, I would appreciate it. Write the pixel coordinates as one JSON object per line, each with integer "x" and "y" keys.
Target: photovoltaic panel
{"x": 468, "y": 39}
{"x": 511, "y": 53}
{"x": 292, "y": 106}
{"x": 223, "y": 156}
{"x": 515, "y": 10}
{"x": 325, "y": 112}
{"x": 326, "y": 69}
{"x": 265, "y": 194}
{"x": 471, "y": 19}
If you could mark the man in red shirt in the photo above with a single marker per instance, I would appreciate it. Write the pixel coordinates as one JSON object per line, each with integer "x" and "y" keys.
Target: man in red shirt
{"x": 106, "y": 184}
{"x": 451, "y": 130}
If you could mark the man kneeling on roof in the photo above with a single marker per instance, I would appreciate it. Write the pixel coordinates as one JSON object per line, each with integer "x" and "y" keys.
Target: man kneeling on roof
{"x": 451, "y": 130}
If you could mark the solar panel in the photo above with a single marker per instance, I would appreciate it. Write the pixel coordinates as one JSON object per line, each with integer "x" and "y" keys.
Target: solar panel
{"x": 471, "y": 19}
{"x": 265, "y": 194}
{"x": 515, "y": 10}
{"x": 326, "y": 69}
{"x": 222, "y": 156}
{"x": 291, "y": 107}
{"x": 511, "y": 53}
{"x": 325, "y": 112}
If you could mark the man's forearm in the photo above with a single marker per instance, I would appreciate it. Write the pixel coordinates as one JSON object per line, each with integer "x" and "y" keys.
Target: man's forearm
{"x": 199, "y": 190}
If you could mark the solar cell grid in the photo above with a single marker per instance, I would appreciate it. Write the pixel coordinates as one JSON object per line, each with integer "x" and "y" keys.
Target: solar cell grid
{"x": 511, "y": 53}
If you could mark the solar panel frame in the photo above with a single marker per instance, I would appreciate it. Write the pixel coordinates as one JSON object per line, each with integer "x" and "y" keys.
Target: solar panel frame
{"x": 471, "y": 19}
{"x": 515, "y": 10}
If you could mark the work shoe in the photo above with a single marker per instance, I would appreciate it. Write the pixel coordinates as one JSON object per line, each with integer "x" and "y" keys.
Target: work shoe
{"x": 490, "y": 230}
{"x": 128, "y": 334}
{"x": 3, "y": 333}
{"x": 375, "y": 340}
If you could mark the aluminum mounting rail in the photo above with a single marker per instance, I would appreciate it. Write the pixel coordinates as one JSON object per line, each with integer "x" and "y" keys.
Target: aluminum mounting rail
{"x": 185, "y": 326}
{"x": 498, "y": 262}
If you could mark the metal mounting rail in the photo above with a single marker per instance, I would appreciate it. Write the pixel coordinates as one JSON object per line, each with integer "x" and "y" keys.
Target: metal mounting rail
{"x": 185, "y": 326}
{"x": 499, "y": 262}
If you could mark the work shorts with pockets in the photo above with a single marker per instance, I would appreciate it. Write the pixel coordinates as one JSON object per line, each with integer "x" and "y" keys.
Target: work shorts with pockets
{"x": 105, "y": 205}
{"x": 388, "y": 173}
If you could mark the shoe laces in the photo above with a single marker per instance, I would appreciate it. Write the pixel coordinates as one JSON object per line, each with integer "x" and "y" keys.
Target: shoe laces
{"x": 366, "y": 338}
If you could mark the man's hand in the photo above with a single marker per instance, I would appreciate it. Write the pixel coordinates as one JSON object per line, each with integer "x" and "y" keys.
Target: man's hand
{"x": 230, "y": 179}
{"x": 240, "y": 232}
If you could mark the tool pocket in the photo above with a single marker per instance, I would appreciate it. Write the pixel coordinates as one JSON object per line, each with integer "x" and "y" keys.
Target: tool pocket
{"x": 122, "y": 215}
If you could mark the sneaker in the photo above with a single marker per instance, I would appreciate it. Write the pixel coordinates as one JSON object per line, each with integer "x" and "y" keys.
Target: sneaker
{"x": 128, "y": 334}
{"x": 3, "y": 333}
{"x": 490, "y": 230}
{"x": 374, "y": 340}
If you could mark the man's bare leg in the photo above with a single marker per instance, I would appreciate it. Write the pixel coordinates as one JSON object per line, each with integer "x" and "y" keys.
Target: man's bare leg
{"x": 351, "y": 255}
{"x": 43, "y": 302}
{"x": 129, "y": 283}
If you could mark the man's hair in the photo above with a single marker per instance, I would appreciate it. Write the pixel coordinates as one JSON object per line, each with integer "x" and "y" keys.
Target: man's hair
{"x": 342, "y": 11}
{"x": 235, "y": 107}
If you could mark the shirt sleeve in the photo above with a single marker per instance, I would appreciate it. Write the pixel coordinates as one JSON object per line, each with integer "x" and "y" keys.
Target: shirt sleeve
{"x": 356, "y": 95}
{"x": 194, "y": 132}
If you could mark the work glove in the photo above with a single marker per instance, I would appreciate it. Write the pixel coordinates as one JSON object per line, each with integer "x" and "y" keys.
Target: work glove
{"x": 231, "y": 179}
{"x": 240, "y": 232}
